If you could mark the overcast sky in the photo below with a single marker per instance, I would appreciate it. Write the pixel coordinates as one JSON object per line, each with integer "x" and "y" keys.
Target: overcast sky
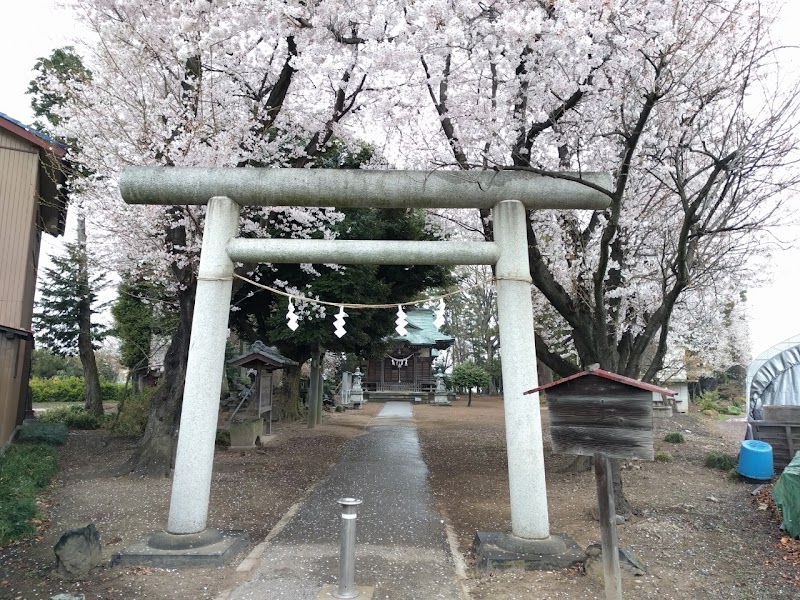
{"x": 33, "y": 28}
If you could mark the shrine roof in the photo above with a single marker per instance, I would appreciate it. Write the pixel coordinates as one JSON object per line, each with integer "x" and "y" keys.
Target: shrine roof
{"x": 261, "y": 354}
{"x": 422, "y": 331}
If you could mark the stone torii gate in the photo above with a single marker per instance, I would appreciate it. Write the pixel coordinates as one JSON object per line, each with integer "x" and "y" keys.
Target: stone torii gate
{"x": 224, "y": 190}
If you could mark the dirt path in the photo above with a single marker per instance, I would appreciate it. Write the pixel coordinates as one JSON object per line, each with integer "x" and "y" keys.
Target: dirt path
{"x": 698, "y": 532}
{"x": 250, "y": 491}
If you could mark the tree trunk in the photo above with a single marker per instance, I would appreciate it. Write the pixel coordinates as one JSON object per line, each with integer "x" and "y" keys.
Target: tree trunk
{"x": 155, "y": 453}
{"x": 311, "y": 397}
{"x": 621, "y": 504}
{"x": 469, "y": 397}
{"x": 287, "y": 397}
{"x": 93, "y": 403}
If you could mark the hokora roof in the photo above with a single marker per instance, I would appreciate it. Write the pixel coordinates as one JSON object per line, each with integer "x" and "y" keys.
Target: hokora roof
{"x": 422, "y": 331}
{"x": 774, "y": 377}
{"x": 260, "y": 353}
{"x": 607, "y": 375}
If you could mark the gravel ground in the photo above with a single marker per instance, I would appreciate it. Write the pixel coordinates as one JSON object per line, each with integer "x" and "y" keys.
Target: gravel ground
{"x": 698, "y": 531}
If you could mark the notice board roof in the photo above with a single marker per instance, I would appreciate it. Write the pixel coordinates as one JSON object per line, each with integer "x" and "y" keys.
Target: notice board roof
{"x": 260, "y": 354}
{"x": 607, "y": 375}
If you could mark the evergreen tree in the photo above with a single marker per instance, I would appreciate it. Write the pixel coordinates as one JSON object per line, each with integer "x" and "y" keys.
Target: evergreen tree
{"x": 469, "y": 375}
{"x": 261, "y": 315}
{"x": 62, "y": 319}
{"x": 133, "y": 326}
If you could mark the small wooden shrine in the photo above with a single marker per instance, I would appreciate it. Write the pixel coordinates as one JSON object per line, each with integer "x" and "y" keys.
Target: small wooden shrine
{"x": 264, "y": 360}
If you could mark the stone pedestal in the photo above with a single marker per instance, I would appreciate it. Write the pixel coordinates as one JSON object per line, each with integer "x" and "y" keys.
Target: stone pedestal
{"x": 245, "y": 434}
{"x": 209, "y": 547}
{"x": 441, "y": 399}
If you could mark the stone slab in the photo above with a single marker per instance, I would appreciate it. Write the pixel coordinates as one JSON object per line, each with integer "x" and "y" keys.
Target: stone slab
{"x": 364, "y": 592}
{"x": 498, "y": 550}
{"x": 217, "y": 554}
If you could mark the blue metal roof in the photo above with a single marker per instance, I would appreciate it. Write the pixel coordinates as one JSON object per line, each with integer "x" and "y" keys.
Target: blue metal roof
{"x": 42, "y": 136}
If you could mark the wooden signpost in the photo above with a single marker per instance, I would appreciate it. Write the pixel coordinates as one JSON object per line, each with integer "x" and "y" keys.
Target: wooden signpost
{"x": 604, "y": 415}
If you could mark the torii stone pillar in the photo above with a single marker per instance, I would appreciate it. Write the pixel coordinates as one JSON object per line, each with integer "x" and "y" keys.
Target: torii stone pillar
{"x": 191, "y": 485}
{"x": 515, "y": 322}
{"x": 509, "y": 194}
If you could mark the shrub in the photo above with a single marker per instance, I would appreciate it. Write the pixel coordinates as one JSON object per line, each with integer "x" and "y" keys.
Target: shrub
{"x": 709, "y": 400}
{"x": 132, "y": 414}
{"x": 663, "y": 457}
{"x": 51, "y": 434}
{"x": 24, "y": 471}
{"x": 223, "y": 438}
{"x": 674, "y": 438}
{"x": 71, "y": 389}
{"x": 721, "y": 461}
{"x": 74, "y": 417}
{"x": 111, "y": 392}
{"x": 733, "y": 410}
{"x": 57, "y": 389}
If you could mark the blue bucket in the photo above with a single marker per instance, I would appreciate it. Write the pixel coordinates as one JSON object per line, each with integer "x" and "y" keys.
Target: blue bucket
{"x": 755, "y": 460}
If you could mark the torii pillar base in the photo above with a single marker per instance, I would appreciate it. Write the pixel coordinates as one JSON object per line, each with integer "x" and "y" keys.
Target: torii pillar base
{"x": 496, "y": 550}
{"x": 208, "y": 548}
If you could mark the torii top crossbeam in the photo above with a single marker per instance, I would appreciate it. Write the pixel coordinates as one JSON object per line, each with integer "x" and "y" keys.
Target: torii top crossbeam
{"x": 362, "y": 188}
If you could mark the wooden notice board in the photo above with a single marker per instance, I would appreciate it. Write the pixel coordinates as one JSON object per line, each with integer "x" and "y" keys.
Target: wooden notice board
{"x": 592, "y": 414}
{"x": 604, "y": 415}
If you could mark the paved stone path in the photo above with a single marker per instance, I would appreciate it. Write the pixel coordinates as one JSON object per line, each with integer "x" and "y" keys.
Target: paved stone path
{"x": 401, "y": 545}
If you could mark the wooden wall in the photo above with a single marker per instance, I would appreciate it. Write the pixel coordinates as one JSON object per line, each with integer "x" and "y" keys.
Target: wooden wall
{"x": 423, "y": 365}
{"x": 19, "y": 253}
{"x": 14, "y": 355}
{"x": 19, "y": 247}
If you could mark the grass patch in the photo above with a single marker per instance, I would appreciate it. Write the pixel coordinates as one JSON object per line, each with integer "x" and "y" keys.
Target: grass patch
{"x": 733, "y": 410}
{"x": 663, "y": 457}
{"x": 674, "y": 438}
{"x": 721, "y": 461}
{"x": 51, "y": 434}
{"x": 25, "y": 470}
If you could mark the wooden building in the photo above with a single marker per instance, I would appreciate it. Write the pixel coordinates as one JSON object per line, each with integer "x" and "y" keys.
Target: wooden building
{"x": 407, "y": 368}
{"x": 32, "y": 201}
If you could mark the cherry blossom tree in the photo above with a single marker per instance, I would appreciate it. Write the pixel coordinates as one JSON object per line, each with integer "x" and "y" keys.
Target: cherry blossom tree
{"x": 675, "y": 99}
{"x": 678, "y": 100}
{"x": 236, "y": 84}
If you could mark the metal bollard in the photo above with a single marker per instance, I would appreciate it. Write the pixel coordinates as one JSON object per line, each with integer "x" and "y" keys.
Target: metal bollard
{"x": 347, "y": 549}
